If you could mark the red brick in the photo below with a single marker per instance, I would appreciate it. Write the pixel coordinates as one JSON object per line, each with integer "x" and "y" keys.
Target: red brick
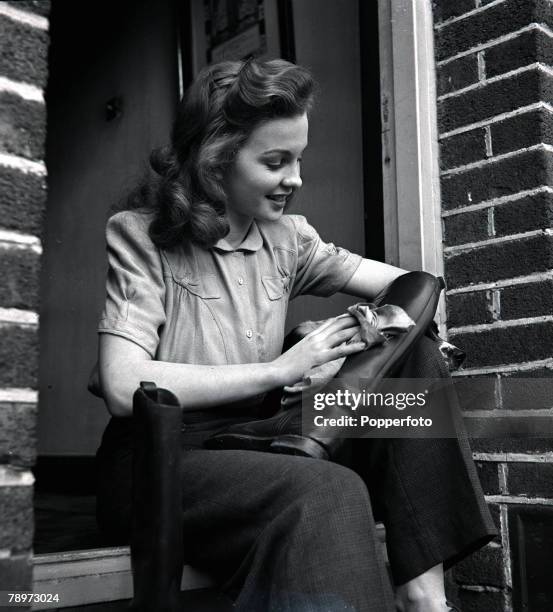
{"x": 528, "y": 300}
{"x": 23, "y": 124}
{"x": 527, "y": 48}
{"x": 489, "y": 24}
{"x": 462, "y": 149}
{"x": 18, "y": 357}
{"x": 457, "y": 74}
{"x": 16, "y": 518}
{"x": 468, "y": 308}
{"x": 531, "y": 390}
{"x": 445, "y": 9}
{"x": 527, "y": 170}
{"x": 466, "y": 227}
{"x": 497, "y": 261}
{"x": 522, "y": 427}
{"x": 522, "y": 131}
{"x": 19, "y": 270}
{"x": 530, "y": 479}
{"x": 506, "y": 345}
{"x": 484, "y": 567}
{"x": 478, "y": 601}
{"x": 23, "y": 52}
{"x": 493, "y": 99}
{"x": 18, "y": 434}
{"x": 529, "y": 213}
{"x": 477, "y": 392}
{"x": 22, "y": 200}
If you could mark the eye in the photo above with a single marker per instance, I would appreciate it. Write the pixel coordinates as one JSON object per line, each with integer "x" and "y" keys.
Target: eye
{"x": 274, "y": 164}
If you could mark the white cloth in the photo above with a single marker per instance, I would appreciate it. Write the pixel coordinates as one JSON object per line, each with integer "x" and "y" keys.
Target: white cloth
{"x": 376, "y": 325}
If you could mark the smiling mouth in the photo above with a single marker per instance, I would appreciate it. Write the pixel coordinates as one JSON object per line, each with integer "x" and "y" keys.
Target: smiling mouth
{"x": 279, "y": 199}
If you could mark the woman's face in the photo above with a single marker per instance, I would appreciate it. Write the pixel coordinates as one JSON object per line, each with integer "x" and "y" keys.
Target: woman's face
{"x": 266, "y": 170}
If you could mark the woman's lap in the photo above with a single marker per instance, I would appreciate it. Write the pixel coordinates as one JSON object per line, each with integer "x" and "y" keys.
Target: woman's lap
{"x": 423, "y": 490}
{"x": 272, "y": 526}
{"x": 242, "y": 492}
{"x": 240, "y": 489}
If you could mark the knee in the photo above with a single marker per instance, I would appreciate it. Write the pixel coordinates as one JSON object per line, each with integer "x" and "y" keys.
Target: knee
{"x": 337, "y": 487}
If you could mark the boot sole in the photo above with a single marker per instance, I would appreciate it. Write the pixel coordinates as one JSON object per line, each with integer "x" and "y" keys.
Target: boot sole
{"x": 298, "y": 445}
{"x": 286, "y": 444}
{"x": 231, "y": 441}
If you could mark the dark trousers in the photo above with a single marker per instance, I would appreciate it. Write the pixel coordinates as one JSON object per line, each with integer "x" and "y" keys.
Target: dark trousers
{"x": 293, "y": 534}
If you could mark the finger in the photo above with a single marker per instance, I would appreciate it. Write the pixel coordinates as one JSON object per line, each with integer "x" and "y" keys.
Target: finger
{"x": 337, "y": 324}
{"x": 342, "y": 336}
{"x": 354, "y": 347}
{"x": 347, "y": 349}
{"x": 321, "y": 327}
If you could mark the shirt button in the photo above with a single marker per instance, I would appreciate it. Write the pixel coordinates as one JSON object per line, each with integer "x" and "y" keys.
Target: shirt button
{"x": 249, "y": 333}
{"x": 240, "y": 280}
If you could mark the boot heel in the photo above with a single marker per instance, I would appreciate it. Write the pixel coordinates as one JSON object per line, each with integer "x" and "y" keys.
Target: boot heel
{"x": 298, "y": 445}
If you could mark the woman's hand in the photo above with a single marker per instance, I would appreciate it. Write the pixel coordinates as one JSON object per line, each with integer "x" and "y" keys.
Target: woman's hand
{"x": 326, "y": 343}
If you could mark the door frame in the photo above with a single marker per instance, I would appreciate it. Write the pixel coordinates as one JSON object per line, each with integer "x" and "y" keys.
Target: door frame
{"x": 411, "y": 185}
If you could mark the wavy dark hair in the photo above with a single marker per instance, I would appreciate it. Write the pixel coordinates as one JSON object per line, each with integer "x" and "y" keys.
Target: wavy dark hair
{"x": 217, "y": 114}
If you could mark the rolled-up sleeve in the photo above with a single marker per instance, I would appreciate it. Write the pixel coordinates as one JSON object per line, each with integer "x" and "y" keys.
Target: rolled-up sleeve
{"x": 323, "y": 269}
{"x": 135, "y": 289}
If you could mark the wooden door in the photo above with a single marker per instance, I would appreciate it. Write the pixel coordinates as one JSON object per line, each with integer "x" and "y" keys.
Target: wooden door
{"x": 111, "y": 98}
{"x": 342, "y": 177}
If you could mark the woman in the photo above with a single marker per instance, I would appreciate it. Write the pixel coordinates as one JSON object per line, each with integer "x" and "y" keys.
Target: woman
{"x": 201, "y": 271}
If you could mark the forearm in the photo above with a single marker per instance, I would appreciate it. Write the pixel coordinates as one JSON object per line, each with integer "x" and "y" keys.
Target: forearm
{"x": 122, "y": 365}
{"x": 195, "y": 386}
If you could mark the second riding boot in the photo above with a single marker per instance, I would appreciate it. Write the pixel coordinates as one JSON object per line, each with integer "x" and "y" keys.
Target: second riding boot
{"x": 156, "y": 529}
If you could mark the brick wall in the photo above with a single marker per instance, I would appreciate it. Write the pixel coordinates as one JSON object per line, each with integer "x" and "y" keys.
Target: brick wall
{"x": 495, "y": 107}
{"x": 23, "y": 73}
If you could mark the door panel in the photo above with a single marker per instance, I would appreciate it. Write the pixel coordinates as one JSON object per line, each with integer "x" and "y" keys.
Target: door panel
{"x": 111, "y": 98}
{"x": 332, "y": 194}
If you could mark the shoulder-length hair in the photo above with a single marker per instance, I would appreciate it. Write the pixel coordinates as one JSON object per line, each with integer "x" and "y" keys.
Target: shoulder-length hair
{"x": 217, "y": 114}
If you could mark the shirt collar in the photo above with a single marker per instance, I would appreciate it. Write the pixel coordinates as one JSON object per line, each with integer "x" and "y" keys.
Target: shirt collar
{"x": 252, "y": 242}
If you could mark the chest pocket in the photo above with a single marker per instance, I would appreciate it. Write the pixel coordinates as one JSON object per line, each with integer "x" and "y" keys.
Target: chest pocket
{"x": 205, "y": 287}
{"x": 276, "y": 286}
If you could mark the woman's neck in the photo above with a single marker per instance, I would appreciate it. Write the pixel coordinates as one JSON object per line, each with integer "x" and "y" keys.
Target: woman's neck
{"x": 239, "y": 226}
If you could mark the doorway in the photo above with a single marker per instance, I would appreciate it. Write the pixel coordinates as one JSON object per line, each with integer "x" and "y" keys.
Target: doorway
{"x": 111, "y": 98}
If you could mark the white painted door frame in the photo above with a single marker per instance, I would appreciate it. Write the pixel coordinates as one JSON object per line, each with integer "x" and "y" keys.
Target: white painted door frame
{"x": 410, "y": 137}
{"x": 412, "y": 208}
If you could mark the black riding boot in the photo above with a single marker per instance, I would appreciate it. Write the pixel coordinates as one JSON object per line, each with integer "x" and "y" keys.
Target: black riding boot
{"x": 417, "y": 293}
{"x": 156, "y": 530}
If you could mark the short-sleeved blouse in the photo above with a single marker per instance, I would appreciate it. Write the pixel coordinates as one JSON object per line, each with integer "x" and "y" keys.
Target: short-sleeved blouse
{"x": 220, "y": 305}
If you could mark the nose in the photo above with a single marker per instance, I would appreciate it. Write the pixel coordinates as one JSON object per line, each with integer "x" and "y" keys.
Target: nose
{"x": 292, "y": 180}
